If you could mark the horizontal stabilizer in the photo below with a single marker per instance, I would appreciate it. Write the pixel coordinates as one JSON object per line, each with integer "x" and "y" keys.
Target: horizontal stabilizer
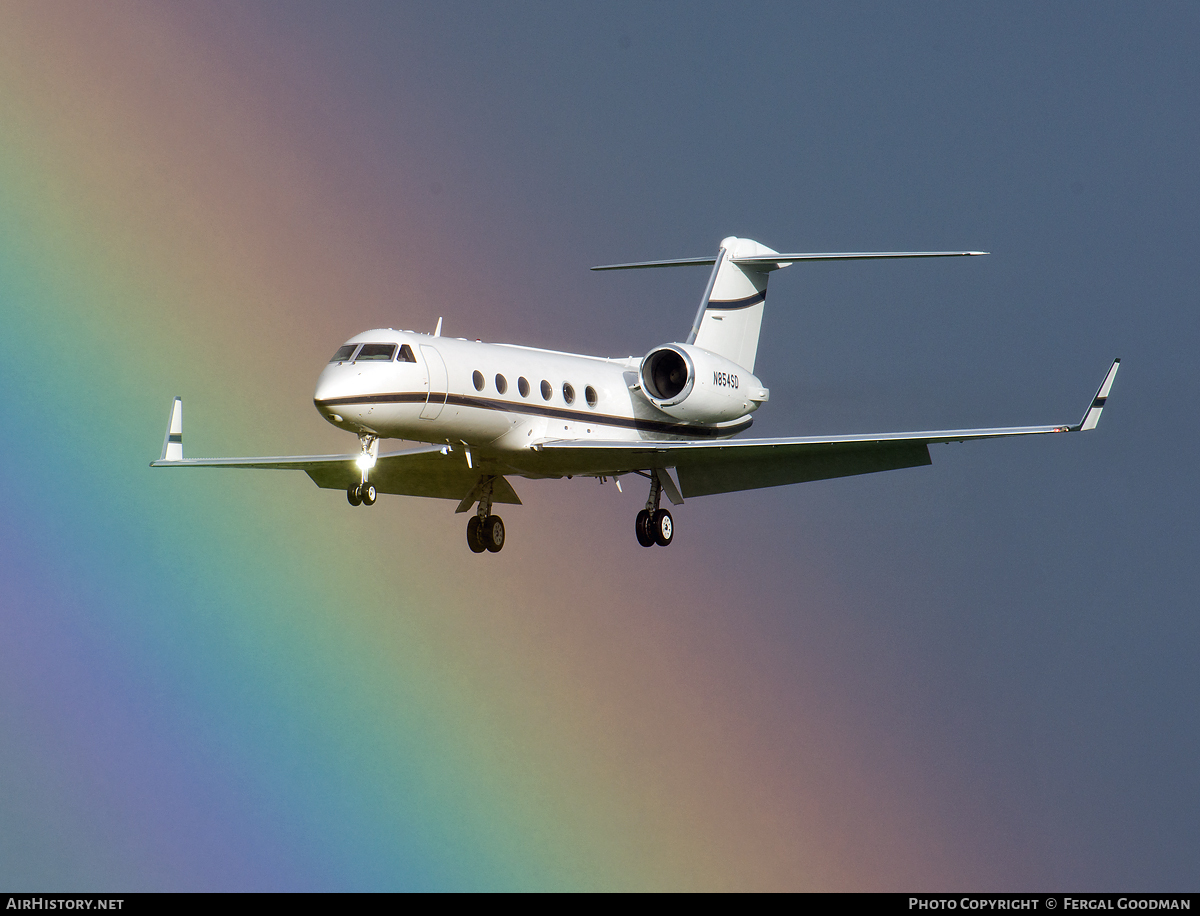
{"x": 775, "y": 261}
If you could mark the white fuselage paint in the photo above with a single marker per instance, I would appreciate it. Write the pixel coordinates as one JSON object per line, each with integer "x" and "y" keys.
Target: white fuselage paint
{"x": 435, "y": 399}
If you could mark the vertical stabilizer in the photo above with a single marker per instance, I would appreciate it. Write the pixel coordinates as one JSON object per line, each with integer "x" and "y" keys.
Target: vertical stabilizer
{"x": 733, "y": 314}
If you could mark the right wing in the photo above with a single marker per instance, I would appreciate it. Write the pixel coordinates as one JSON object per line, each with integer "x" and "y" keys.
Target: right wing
{"x": 427, "y": 470}
{"x": 722, "y": 466}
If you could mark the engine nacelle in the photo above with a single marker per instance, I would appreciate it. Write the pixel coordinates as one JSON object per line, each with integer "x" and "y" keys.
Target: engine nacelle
{"x": 694, "y": 385}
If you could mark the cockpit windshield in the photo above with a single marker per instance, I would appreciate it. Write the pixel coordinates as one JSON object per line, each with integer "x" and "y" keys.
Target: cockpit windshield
{"x": 343, "y": 353}
{"x": 375, "y": 351}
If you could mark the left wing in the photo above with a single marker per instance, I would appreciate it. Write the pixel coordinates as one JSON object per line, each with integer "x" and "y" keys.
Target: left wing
{"x": 705, "y": 466}
{"x": 423, "y": 471}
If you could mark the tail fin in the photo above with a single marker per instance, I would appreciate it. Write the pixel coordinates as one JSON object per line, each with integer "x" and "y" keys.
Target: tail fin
{"x": 731, "y": 313}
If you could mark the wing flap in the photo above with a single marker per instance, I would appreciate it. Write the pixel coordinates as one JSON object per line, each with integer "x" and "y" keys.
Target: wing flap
{"x": 778, "y": 467}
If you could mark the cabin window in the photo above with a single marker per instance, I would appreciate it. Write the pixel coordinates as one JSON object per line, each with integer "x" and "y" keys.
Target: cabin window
{"x": 501, "y": 383}
{"x": 590, "y": 394}
{"x": 547, "y": 390}
{"x": 376, "y": 351}
{"x": 405, "y": 355}
{"x": 568, "y": 393}
{"x": 477, "y": 378}
{"x": 523, "y": 386}
{"x": 343, "y": 353}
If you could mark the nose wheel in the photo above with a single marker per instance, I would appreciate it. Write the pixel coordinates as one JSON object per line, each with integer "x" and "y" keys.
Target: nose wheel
{"x": 362, "y": 494}
{"x": 654, "y": 525}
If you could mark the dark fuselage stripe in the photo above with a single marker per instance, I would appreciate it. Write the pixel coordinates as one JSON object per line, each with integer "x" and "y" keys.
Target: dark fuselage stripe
{"x": 731, "y": 304}
{"x": 579, "y": 416}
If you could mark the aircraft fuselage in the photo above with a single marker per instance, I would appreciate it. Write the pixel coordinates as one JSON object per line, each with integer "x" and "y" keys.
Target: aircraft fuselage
{"x": 501, "y": 398}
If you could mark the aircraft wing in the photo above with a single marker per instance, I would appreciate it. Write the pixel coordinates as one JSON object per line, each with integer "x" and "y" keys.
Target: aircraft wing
{"x": 706, "y": 466}
{"x": 422, "y": 471}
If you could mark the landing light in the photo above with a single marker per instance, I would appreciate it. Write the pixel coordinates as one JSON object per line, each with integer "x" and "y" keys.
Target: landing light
{"x": 365, "y": 462}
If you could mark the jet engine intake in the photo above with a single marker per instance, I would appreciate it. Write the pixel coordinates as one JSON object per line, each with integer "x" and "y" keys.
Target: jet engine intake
{"x": 667, "y": 376}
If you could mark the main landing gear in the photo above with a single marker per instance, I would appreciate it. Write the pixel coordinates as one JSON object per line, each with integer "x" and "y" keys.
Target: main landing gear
{"x": 485, "y": 531}
{"x": 363, "y": 494}
{"x": 654, "y": 525}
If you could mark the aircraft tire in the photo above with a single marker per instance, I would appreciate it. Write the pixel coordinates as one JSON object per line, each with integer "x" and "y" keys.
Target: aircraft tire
{"x": 475, "y": 535}
{"x": 641, "y": 527}
{"x": 493, "y": 533}
{"x": 352, "y": 496}
{"x": 664, "y": 528}
{"x": 368, "y": 494}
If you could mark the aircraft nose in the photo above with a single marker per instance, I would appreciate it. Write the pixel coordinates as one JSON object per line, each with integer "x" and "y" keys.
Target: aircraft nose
{"x": 327, "y": 385}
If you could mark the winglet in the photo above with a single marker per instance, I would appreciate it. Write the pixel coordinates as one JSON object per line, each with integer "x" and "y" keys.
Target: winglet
{"x": 1092, "y": 417}
{"x": 173, "y": 441}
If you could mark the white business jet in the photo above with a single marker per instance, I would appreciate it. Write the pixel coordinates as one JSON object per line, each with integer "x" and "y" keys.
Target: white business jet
{"x": 494, "y": 411}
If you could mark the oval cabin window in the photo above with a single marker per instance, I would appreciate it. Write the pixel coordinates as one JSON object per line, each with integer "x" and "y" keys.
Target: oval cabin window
{"x": 590, "y": 394}
{"x": 477, "y": 378}
{"x": 501, "y": 383}
{"x": 523, "y": 386}
{"x": 547, "y": 390}
{"x": 568, "y": 393}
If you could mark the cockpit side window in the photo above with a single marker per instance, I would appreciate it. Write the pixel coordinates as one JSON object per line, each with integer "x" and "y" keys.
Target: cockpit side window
{"x": 405, "y": 355}
{"x": 343, "y": 353}
{"x": 375, "y": 351}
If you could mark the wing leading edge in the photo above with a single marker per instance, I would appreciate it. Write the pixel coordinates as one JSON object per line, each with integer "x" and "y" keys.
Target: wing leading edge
{"x": 705, "y": 467}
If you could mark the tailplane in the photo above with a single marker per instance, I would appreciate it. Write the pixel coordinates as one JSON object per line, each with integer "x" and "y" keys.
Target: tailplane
{"x": 730, "y": 315}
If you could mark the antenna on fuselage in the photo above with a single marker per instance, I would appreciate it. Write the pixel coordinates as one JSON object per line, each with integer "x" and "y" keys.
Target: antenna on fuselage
{"x": 437, "y": 332}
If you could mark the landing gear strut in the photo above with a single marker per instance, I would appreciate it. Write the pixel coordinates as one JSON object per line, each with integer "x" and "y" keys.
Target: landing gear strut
{"x": 485, "y": 531}
{"x": 654, "y": 525}
{"x": 364, "y": 493}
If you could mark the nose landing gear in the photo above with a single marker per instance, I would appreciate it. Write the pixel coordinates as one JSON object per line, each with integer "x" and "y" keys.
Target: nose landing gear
{"x": 485, "y": 531}
{"x": 364, "y": 493}
{"x": 654, "y": 525}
